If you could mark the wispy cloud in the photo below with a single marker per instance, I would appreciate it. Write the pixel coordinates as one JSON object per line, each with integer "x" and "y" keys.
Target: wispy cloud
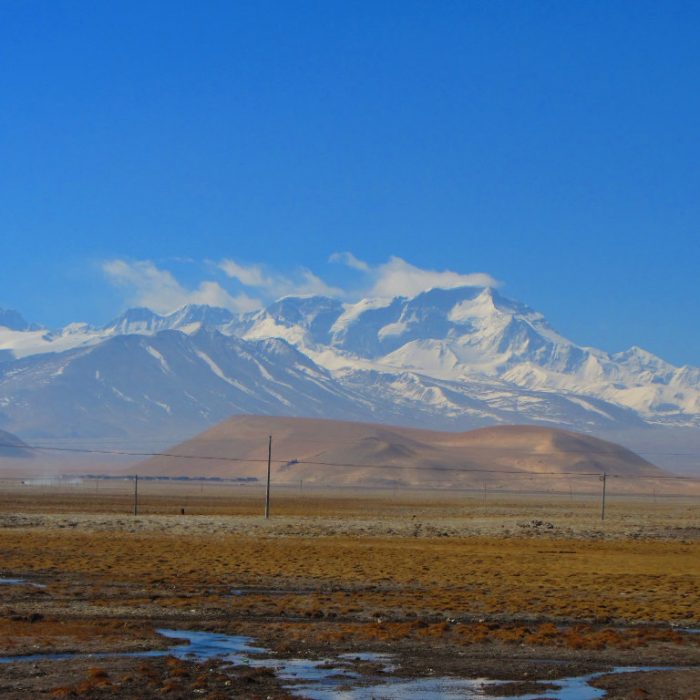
{"x": 396, "y": 277}
{"x": 245, "y": 287}
{"x": 248, "y": 275}
{"x": 148, "y": 285}
{"x": 350, "y": 260}
{"x": 302, "y": 282}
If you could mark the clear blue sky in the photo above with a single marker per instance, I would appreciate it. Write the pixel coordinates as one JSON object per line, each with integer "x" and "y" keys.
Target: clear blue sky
{"x": 552, "y": 145}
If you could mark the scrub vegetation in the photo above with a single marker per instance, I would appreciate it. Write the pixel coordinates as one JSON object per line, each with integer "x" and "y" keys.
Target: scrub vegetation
{"x": 457, "y": 588}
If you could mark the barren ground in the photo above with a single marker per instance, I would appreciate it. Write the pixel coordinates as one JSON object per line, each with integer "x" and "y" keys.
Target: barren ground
{"x": 471, "y": 586}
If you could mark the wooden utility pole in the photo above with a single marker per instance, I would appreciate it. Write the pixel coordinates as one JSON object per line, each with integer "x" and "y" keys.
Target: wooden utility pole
{"x": 136, "y": 494}
{"x": 602, "y": 504}
{"x": 267, "y": 489}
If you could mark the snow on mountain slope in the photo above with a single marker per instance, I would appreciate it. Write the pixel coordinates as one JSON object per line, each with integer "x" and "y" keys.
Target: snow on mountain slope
{"x": 466, "y": 334}
{"x": 132, "y": 384}
{"x": 190, "y": 317}
{"x": 18, "y": 342}
{"x": 455, "y": 358}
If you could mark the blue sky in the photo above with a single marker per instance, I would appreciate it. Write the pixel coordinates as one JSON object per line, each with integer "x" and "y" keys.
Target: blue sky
{"x": 552, "y": 146}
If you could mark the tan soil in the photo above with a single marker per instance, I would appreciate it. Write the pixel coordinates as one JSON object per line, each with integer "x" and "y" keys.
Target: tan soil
{"x": 465, "y": 589}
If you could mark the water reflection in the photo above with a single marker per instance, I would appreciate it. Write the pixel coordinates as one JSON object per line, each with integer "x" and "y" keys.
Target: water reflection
{"x": 338, "y": 679}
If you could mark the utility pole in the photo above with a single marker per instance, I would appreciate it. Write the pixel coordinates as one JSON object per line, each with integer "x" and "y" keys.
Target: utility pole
{"x": 602, "y": 505}
{"x": 267, "y": 489}
{"x": 136, "y": 494}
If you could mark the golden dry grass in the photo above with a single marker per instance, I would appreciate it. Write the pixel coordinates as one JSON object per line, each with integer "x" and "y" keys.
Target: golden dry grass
{"x": 23, "y": 635}
{"x": 647, "y": 581}
{"x": 455, "y": 634}
{"x": 352, "y": 572}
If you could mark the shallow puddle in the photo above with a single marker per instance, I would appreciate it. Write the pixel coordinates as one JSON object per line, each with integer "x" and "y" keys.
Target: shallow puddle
{"x": 19, "y": 582}
{"x": 575, "y": 688}
{"x": 337, "y": 678}
{"x": 334, "y": 679}
{"x": 387, "y": 660}
{"x": 238, "y": 650}
{"x": 270, "y": 592}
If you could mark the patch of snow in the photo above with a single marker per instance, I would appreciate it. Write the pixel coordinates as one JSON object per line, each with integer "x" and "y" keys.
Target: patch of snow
{"x": 588, "y": 406}
{"x": 190, "y": 328}
{"x": 220, "y": 373}
{"x": 352, "y": 312}
{"x": 160, "y": 404}
{"x": 392, "y": 329}
{"x": 159, "y": 357}
{"x": 123, "y": 397}
{"x": 263, "y": 371}
{"x": 267, "y": 327}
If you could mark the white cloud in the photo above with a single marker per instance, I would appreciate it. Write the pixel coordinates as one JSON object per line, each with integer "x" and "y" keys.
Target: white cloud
{"x": 396, "y": 277}
{"x": 248, "y": 275}
{"x": 157, "y": 289}
{"x": 303, "y": 282}
{"x": 399, "y": 278}
{"x": 312, "y": 284}
{"x": 350, "y": 260}
{"x": 146, "y": 284}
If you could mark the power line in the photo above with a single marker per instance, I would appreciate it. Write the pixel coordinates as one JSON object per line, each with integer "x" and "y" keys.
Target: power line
{"x": 514, "y": 450}
{"x": 125, "y": 453}
{"x": 348, "y": 465}
{"x": 466, "y": 447}
{"x": 484, "y": 470}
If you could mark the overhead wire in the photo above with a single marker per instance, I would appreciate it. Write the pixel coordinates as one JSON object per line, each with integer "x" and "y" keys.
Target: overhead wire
{"x": 354, "y": 465}
{"x": 516, "y": 450}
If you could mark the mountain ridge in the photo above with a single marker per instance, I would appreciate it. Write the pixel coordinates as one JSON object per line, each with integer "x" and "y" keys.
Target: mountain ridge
{"x": 447, "y": 358}
{"x": 12, "y": 446}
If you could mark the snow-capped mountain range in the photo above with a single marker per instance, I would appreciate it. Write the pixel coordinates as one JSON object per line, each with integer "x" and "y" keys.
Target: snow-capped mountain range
{"x": 447, "y": 358}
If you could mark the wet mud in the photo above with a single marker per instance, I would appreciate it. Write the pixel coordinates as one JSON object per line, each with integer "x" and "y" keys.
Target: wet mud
{"x": 333, "y": 613}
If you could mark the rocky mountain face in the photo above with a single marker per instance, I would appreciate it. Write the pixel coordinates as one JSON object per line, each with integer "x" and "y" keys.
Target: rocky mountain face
{"x": 12, "y": 446}
{"x": 445, "y": 359}
{"x": 12, "y": 320}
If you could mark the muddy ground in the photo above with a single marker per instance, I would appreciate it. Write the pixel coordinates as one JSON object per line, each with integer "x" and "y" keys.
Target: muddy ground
{"x": 517, "y": 590}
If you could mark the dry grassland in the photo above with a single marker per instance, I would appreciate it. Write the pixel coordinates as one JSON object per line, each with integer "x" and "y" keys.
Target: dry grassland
{"x": 507, "y": 579}
{"x": 618, "y": 581}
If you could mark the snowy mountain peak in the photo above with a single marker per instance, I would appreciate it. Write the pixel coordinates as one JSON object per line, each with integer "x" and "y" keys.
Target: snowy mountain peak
{"x": 209, "y": 316}
{"x": 135, "y": 320}
{"x": 638, "y": 354}
{"x": 142, "y": 320}
{"x": 312, "y": 312}
{"x": 447, "y": 357}
{"x": 14, "y": 321}
{"x": 302, "y": 321}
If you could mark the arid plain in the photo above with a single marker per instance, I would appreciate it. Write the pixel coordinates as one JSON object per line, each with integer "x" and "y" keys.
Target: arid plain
{"x": 525, "y": 589}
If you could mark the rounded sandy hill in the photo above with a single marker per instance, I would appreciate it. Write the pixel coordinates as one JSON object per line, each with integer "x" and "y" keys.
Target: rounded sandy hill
{"x": 330, "y": 452}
